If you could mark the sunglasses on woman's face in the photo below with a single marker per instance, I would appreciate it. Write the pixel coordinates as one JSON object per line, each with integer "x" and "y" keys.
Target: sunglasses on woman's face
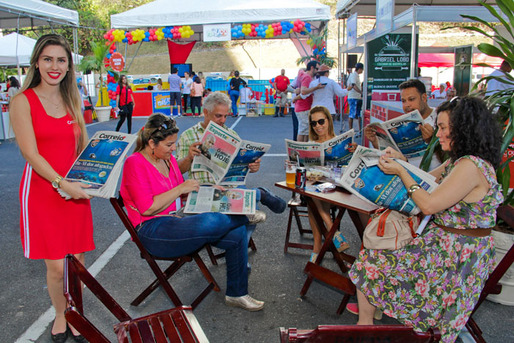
{"x": 315, "y": 122}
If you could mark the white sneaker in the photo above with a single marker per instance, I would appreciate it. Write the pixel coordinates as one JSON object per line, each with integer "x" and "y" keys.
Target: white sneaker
{"x": 256, "y": 218}
{"x": 245, "y": 302}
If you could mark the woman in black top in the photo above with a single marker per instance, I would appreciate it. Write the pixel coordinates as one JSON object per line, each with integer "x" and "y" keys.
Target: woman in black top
{"x": 235, "y": 84}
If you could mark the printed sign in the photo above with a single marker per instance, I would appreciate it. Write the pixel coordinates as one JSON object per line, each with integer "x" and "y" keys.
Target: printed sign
{"x": 351, "y": 25}
{"x": 384, "y": 15}
{"x": 117, "y": 61}
{"x": 161, "y": 103}
{"x": 216, "y": 33}
{"x": 388, "y": 61}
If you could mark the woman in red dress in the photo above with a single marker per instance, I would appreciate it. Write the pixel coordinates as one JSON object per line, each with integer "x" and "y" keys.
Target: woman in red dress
{"x": 50, "y": 131}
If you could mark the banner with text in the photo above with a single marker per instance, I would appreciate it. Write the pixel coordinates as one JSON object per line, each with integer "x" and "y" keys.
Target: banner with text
{"x": 388, "y": 61}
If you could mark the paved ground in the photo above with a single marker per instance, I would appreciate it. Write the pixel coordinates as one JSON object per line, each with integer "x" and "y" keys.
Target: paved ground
{"x": 276, "y": 277}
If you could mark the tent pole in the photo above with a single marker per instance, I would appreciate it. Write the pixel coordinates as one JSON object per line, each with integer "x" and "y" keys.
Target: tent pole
{"x": 140, "y": 43}
{"x": 413, "y": 44}
{"x": 17, "y": 57}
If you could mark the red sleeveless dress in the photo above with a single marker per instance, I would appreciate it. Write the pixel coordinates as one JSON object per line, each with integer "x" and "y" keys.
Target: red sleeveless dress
{"x": 52, "y": 227}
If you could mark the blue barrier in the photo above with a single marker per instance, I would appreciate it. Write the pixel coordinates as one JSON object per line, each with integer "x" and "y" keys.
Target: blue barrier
{"x": 222, "y": 85}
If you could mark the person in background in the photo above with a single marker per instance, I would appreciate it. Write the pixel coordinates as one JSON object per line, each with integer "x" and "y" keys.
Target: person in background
{"x": 321, "y": 129}
{"x": 325, "y": 96}
{"x": 354, "y": 85}
{"x": 281, "y": 83}
{"x": 303, "y": 102}
{"x": 202, "y": 79}
{"x": 235, "y": 83}
{"x": 175, "y": 86}
{"x": 295, "y": 90}
{"x": 152, "y": 187}
{"x": 50, "y": 133}
{"x": 494, "y": 85}
{"x": 196, "y": 91}
{"x": 159, "y": 84}
{"x": 440, "y": 93}
{"x": 14, "y": 87}
{"x": 435, "y": 281}
{"x": 126, "y": 103}
{"x": 186, "y": 90}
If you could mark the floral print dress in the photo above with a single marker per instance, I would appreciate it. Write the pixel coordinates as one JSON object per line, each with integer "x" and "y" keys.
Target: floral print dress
{"x": 436, "y": 280}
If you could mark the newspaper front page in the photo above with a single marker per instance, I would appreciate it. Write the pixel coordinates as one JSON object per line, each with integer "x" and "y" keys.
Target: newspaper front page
{"x": 229, "y": 201}
{"x": 100, "y": 163}
{"x": 226, "y": 156}
{"x": 318, "y": 154}
{"x": 364, "y": 178}
{"x": 403, "y": 134}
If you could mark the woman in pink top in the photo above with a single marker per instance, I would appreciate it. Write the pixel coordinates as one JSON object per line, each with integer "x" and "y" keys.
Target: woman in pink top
{"x": 152, "y": 187}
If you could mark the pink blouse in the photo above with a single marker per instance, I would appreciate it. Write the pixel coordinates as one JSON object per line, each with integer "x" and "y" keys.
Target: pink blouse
{"x": 141, "y": 182}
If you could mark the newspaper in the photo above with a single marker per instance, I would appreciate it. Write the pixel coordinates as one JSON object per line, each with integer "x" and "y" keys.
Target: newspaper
{"x": 229, "y": 201}
{"x": 364, "y": 179}
{"x": 402, "y": 133}
{"x": 100, "y": 163}
{"x": 319, "y": 154}
{"x": 226, "y": 156}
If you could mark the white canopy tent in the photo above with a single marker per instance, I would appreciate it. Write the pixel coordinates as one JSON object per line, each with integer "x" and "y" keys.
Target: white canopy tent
{"x": 16, "y": 49}
{"x": 198, "y": 13}
{"x": 31, "y": 13}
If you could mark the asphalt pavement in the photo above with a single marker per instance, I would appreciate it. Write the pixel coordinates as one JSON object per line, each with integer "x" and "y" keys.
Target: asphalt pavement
{"x": 276, "y": 277}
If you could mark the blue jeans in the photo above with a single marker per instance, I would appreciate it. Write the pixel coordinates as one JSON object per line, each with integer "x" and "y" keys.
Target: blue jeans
{"x": 234, "y": 96}
{"x": 174, "y": 237}
{"x": 295, "y": 123}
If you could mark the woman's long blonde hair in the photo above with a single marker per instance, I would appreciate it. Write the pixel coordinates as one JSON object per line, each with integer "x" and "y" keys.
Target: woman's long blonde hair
{"x": 68, "y": 86}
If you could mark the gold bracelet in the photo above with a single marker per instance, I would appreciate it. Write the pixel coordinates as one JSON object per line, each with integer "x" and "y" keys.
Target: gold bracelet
{"x": 56, "y": 183}
{"x": 412, "y": 189}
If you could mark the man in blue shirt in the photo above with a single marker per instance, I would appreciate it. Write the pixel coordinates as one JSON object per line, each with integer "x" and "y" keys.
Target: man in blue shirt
{"x": 175, "y": 96}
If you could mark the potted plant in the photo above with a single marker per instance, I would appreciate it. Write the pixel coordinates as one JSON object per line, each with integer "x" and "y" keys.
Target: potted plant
{"x": 95, "y": 63}
{"x": 502, "y": 103}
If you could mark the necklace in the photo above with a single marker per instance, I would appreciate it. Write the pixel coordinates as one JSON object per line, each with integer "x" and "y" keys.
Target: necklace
{"x": 150, "y": 159}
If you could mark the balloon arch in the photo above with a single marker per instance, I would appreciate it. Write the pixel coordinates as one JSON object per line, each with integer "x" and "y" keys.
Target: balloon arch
{"x": 240, "y": 31}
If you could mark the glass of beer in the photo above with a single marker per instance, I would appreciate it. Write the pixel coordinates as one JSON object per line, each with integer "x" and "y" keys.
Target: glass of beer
{"x": 290, "y": 172}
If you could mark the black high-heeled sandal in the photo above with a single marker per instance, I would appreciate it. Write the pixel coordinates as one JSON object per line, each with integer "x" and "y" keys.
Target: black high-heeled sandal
{"x": 78, "y": 338}
{"x": 60, "y": 337}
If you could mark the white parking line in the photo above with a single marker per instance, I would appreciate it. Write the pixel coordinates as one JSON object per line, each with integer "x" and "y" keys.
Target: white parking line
{"x": 39, "y": 326}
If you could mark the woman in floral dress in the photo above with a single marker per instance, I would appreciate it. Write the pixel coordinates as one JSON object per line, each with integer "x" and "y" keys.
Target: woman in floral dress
{"x": 436, "y": 280}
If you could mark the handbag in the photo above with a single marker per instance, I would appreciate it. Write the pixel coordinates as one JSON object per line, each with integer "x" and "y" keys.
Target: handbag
{"x": 388, "y": 229}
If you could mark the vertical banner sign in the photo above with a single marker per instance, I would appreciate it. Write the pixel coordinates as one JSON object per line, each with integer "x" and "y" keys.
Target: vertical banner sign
{"x": 384, "y": 15}
{"x": 352, "y": 31}
{"x": 388, "y": 61}
{"x": 217, "y": 33}
{"x": 462, "y": 69}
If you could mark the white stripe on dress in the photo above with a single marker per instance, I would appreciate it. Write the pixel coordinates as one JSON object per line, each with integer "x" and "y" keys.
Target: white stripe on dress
{"x": 25, "y": 208}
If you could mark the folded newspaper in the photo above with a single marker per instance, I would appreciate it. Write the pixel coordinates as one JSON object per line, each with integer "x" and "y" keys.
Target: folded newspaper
{"x": 319, "y": 154}
{"x": 364, "y": 179}
{"x": 226, "y": 156}
{"x": 100, "y": 163}
{"x": 230, "y": 201}
{"x": 402, "y": 133}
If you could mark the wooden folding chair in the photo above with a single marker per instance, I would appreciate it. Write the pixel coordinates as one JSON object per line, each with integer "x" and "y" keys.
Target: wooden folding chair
{"x": 164, "y": 276}
{"x": 173, "y": 325}
{"x": 492, "y": 285}
{"x": 297, "y": 212}
{"x": 358, "y": 333}
{"x": 214, "y": 257}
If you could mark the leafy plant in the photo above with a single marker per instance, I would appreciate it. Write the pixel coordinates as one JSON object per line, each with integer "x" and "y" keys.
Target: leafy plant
{"x": 502, "y": 102}
{"x": 318, "y": 45}
{"x": 96, "y": 63}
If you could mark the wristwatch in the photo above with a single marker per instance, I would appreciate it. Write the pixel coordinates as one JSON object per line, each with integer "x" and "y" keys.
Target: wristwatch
{"x": 57, "y": 182}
